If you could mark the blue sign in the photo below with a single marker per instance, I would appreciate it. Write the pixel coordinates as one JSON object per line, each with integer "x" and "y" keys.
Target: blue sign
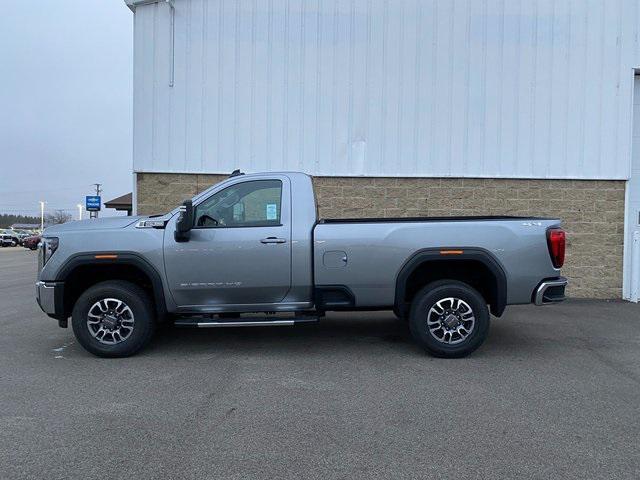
{"x": 93, "y": 203}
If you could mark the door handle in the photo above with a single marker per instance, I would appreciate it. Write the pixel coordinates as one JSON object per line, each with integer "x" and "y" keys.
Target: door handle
{"x": 272, "y": 240}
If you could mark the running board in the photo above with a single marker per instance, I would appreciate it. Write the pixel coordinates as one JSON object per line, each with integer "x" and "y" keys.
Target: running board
{"x": 254, "y": 322}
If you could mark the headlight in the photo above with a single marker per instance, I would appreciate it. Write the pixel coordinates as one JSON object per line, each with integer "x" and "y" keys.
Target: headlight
{"x": 49, "y": 246}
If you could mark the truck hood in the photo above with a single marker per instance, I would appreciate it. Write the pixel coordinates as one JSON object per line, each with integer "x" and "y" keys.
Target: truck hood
{"x": 108, "y": 223}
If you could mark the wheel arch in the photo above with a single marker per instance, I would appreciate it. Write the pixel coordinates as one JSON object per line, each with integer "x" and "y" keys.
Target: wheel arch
{"x": 476, "y": 267}
{"x": 86, "y": 269}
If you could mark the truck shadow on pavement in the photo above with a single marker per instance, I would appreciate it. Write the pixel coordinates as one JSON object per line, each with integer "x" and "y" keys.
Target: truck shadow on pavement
{"x": 370, "y": 335}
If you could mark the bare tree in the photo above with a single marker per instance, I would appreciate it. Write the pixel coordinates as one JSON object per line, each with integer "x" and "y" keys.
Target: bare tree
{"x": 59, "y": 216}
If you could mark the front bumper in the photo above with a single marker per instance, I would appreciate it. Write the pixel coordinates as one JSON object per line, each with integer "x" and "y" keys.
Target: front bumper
{"x": 549, "y": 291}
{"x": 50, "y": 297}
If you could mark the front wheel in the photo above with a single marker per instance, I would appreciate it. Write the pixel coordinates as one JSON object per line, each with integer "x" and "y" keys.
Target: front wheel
{"x": 449, "y": 319}
{"x": 113, "y": 319}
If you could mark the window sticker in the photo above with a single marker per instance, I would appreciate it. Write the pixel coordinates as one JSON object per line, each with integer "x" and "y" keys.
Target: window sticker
{"x": 272, "y": 211}
{"x": 238, "y": 212}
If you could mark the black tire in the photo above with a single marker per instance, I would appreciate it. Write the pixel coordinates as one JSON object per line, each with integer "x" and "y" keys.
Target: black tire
{"x": 427, "y": 298}
{"x": 135, "y": 298}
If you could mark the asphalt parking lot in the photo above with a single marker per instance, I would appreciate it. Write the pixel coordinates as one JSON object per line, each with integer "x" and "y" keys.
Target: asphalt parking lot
{"x": 554, "y": 393}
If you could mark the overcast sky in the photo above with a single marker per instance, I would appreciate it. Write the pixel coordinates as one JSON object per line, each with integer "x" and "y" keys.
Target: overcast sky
{"x": 65, "y": 102}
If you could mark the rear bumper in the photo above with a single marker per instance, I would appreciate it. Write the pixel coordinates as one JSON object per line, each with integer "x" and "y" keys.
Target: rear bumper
{"x": 549, "y": 291}
{"x": 50, "y": 297}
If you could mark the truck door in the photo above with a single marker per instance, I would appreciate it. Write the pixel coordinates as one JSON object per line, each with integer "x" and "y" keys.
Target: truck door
{"x": 239, "y": 250}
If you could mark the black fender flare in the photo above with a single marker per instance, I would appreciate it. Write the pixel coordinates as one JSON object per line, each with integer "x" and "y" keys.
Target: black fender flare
{"x": 462, "y": 253}
{"x": 119, "y": 258}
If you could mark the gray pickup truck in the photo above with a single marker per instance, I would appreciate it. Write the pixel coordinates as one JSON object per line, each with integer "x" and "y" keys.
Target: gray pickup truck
{"x": 250, "y": 251}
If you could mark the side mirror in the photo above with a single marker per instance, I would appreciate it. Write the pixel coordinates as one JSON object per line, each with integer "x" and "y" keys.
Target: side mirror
{"x": 185, "y": 222}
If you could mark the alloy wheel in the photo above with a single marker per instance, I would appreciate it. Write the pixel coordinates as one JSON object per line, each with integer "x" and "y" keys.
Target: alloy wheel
{"x": 450, "y": 320}
{"x": 110, "y": 321}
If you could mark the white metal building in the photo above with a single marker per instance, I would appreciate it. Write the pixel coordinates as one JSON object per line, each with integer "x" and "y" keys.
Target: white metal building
{"x": 497, "y": 89}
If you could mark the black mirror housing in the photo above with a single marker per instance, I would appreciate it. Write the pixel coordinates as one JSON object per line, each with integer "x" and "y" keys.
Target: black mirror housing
{"x": 185, "y": 222}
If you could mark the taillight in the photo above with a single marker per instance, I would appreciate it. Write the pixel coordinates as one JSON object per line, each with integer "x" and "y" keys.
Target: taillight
{"x": 556, "y": 242}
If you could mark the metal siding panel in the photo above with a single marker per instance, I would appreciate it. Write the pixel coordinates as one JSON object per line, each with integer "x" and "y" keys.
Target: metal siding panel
{"x": 341, "y": 155}
{"x": 160, "y": 89}
{"x": 443, "y": 90}
{"x": 391, "y": 101}
{"x": 194, "y": 55}
{"x": 508, "y": 151}
{"x": 477, "y": 90}
{"x": 243, "y": 70}
{"x": 542, "y": 83}
{"x": 376, "y": 87}
{"x": 309, "y": 74}
{"x": 143, "y": 96}
{"x": 178, "y": 95}
{"x": 592, "y": 99}
{"x": 609, "y": 88}
{"x": 555, "y": 98}
{"x": 355, "y": 142}
{"x": 577, "y": 81}
{"x": 493, "y": 86}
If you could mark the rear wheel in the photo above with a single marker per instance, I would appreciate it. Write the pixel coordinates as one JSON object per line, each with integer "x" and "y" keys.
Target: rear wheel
{"x": 113, "y": 319}
{"x": 449, "y": 319}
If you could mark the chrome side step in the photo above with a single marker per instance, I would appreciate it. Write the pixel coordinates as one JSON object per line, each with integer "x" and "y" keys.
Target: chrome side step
{"x": 253, "y": 322}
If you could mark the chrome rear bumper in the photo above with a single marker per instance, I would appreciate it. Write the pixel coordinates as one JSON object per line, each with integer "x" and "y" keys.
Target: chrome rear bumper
{"x": 550, "y": 291}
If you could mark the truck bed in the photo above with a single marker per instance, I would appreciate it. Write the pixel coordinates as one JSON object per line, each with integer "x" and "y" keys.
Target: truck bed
{"x": 366, "y": 254}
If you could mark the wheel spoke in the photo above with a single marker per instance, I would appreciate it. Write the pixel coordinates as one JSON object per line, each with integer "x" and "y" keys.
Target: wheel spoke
{"x": 120, "y": 306}
{"x": 433, "y": 321}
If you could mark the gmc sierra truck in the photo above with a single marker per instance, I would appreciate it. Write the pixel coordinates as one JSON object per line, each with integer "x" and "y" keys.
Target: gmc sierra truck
{"x": 251, "y": 251}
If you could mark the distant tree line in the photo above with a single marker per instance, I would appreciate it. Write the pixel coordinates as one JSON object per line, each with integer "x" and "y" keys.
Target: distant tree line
{"x": 6, "y": 220}
{"x": 58, "y": 216}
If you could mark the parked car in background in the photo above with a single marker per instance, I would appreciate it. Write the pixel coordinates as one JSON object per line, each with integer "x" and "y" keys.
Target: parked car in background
{"x": 5, "y": 240}
{"x": 9, "y": 238}
{"x": 21, "y": 234}
{"x": 31, "y": 242}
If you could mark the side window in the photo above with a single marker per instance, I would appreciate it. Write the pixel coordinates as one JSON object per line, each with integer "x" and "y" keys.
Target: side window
{"x": 247, "y": 204}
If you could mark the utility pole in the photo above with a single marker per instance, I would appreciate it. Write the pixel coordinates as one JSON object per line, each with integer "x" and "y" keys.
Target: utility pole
{"x": 98, "y": 192}
{"x": 41, "y": 215}
{"x": 79, "y": 211}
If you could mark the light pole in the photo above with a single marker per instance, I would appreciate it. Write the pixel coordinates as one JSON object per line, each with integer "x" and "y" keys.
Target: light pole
{"x": 41, "y": 215}
{"x": 94, "y": 214}
{"x": 79, "y": 211}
